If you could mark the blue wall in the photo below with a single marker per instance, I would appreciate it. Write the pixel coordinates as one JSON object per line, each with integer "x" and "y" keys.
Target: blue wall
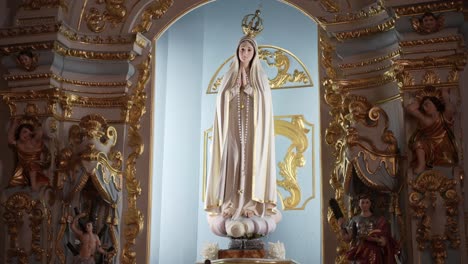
{"x": 187, "y": 55}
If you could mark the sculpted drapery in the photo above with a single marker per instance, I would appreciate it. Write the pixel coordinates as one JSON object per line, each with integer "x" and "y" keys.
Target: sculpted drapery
{"x": 243, "y": 171}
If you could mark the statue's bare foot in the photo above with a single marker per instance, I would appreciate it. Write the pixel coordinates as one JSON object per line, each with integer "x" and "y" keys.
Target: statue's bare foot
{"x": 418, "y": 170}
{"x": 248, "y": 213}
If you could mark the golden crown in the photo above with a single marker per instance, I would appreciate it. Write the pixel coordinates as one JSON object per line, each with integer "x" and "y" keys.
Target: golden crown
{"x": 252, "y": 24}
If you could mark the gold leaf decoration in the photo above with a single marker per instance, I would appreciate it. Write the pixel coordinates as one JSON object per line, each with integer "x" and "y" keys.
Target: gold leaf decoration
{"x": 155, "y": 11}
{"x": 136, "y": 109}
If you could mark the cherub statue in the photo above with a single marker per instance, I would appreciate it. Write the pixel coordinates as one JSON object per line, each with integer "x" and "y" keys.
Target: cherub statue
{"x": 433, "y": 143}
{"x": 27, "y": 60}
{"x": 428, "y": 23}
{"x": 26, "y": 137}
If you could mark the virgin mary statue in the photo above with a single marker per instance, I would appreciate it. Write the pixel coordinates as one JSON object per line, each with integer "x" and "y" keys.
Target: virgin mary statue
{"x": 241, "y": 188}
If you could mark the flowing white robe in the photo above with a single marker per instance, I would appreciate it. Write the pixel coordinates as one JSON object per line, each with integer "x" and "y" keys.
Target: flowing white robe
{"x": 227, "y": 187}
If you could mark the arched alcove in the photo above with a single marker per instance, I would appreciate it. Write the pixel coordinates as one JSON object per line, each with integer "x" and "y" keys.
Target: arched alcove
{"x": 187, "y": 56}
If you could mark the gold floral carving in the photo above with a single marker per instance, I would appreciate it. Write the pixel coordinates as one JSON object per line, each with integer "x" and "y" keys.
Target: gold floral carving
{"x": 363, "y": 147}
{"x": 453, "y": 76}
{"x": 85, "y": 83}
{"x": 383, "y": 27}
{"x": 327, "y": 51}
{"x": 422, "y": 42}
{"x": 430, "y": 77}
{"x": 66, "y": 100}
{"x": 94, "y": 39}
{"x": 424, "y": 194}
{"x": 13, "y": 49}
{"x": 28, "y": 30}
{"x": 294, "y": 158}
{"x": 330, "y": 6}
{"x": 94, "y": 55}
{"x": 364, "y": 83}
{"x": 115, "y": 14}
{"x": 282, "y": 63}
{"x": 134, "y": 219}
{"x": 155, "y": 11}
{"x": 334, "y": 136}
{"x": 17, "y": 206}
{"x": 23, "y": 77}
{"x": 350, "y": 17}
{"x": 456, "y": 61}
{"x": 441, "y": 6}
{"x": 37, "y": 4}
{"x": 391, "y": 55}
{"x": 406, "y": 78}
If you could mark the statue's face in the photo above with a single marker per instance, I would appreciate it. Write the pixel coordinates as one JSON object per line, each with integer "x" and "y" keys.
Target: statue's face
{"x": 429, "y": 107}
{"x": 364, "y": 204}
{"x": 25, "y": 60}
{"x": 25, "y": 134}
{"x": 89, "y": 227}
{"x": 429, "y": 22}
{"x": 246, "y": 52}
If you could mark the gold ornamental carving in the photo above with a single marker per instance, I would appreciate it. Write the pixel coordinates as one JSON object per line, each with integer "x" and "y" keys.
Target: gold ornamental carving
{"x": 456, "y": 61}
{"x": 17, "y": 207}
{"x": 38, "y": 4}
{"x": 133, "y": 218}
{"x": 327, "y": 51}
{"x": 383, "y": 27}
{"x": 28, "y": 30}
{"x": 390, "y": 55}
{"x": 366, "y": 13}
{"x": 422, "y": 42}
{"x": 330, "y": 6}
{"x": 363, "y": 83}
{"x": 441, "y": 6}
{"x": 115, "y": 13}
{"x": 430, "y": 77}
{"x": 14, "y": 49}
{"x": 296, "y": 132}
{"x": 281, "y": 60}
{"x": 92, "y": 39}
{"x": 93, "y": 55}
{"x": 365, "y": 152}
{"x": 425, "y": 189}
{"x": 155, "y": 11}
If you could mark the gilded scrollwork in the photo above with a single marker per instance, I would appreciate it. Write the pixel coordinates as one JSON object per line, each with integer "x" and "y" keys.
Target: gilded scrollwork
{"x": 115, "y": 13}
{"x": 94, "y": 55}
{"x": 21, "y": 209}
{"x": 330, "y": 6}
{"x": 426, "y": 189}
{"x": 456, "y": 61}
{"x": 365, "y": 13}
{"x": 441, "y": 6}
{"x": 421, "y": 42}
{"x": 430, "y": 77}
{"x": 383, "y": 27}
{"x": 327, "y": 51}
{"x": 37, "y": 4}
{"x": 133, "y": 218}
{"x": 366, "y": 153}
{"x": 294, "y": 158}
{"x": 154, "y": 11}
{"x": 28, "y": 30}
{"x": 388, "y": 56}
{"x": 89, "y": 181}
